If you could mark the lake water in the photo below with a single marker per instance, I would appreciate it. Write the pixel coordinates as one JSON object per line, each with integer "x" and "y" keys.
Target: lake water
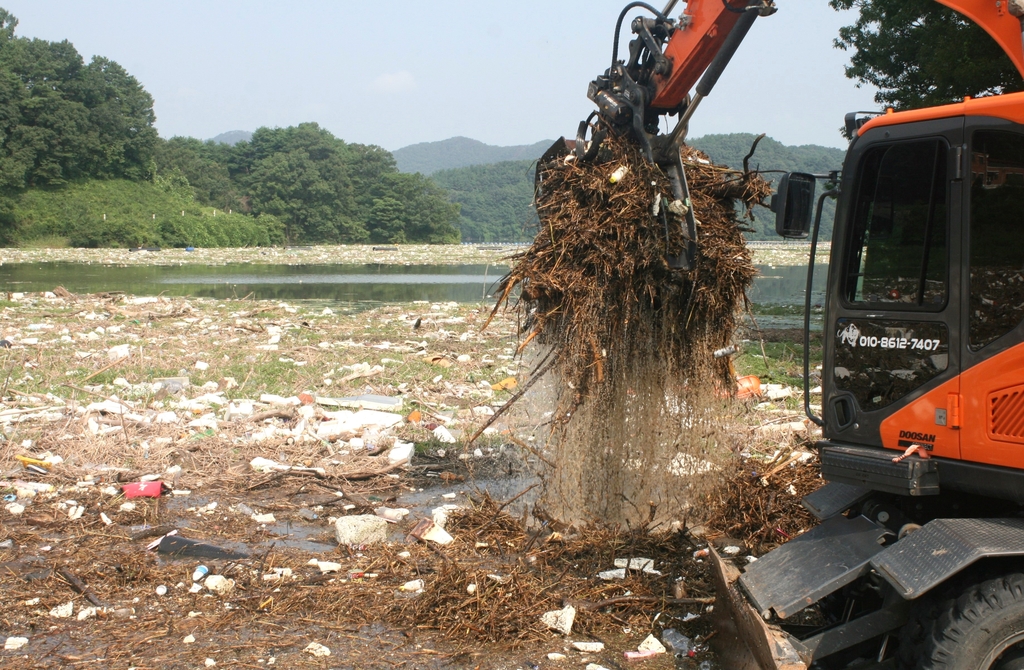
{"x": 353, "y": 285}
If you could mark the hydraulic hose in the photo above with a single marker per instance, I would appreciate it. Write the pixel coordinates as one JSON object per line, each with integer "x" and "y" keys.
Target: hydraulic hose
{"x": 618, "y": 25}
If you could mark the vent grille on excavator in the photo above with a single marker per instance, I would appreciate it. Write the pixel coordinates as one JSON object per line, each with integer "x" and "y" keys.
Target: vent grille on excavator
{"x": 1006, "y": 414}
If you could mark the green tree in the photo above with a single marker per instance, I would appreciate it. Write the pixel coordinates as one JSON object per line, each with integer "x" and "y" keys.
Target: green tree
{"x": 62, "y": 120}
{"x": 427, "y": 214}
{"x": 920, "y": 53}
{"x": 206, "y": 165}
{"x": 386, "y": 221}
{"x": 299, "y": 174}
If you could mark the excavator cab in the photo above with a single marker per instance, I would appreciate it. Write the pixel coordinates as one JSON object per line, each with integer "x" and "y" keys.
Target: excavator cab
{"x": 918, "y": 559}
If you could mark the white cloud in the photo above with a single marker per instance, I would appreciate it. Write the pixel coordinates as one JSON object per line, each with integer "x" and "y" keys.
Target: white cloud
{"x": 394, "y": 82}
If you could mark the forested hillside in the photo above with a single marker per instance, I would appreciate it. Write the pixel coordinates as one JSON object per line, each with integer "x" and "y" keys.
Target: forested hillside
{"x": 81, "y": 164}
{"x": 773, "y": 155}
{"x": 495, "y": 200}
{"x": 456, "y": 152}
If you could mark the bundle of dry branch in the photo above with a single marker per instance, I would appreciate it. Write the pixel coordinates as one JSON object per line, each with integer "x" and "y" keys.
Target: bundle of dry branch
{"x": 629, "y": 339}
{"x": 761, "y": 507}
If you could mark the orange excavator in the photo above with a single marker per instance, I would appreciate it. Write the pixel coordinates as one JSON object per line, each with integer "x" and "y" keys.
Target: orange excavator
{"x": 918, "y": 559}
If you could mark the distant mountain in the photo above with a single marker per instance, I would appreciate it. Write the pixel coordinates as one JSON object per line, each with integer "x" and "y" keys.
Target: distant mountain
{"x": 232, "y": 137}
{"x": 770, "y": 155}
{"x": 457, "y": 152}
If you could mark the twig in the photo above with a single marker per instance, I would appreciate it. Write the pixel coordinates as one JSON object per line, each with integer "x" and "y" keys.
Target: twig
{"x": 519, "y": 443}
{"x": 105, "y": 368}
{"x": 504, "y": 505}
{"x": 753, "y": 147}
{"x": 272, "y": 414}
{"x": 636, "y": 600}
{"x": 78, "y": 586}
{"x": 511, "y": 401}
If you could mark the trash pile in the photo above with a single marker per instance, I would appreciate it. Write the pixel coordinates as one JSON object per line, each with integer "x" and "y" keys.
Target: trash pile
{"x": 630, "y": 340}
{"x": 113, "y": 378}
{"x": 202, "y": 482}
{"x": 357, "y": 254}
{"x": 122, "y": 563}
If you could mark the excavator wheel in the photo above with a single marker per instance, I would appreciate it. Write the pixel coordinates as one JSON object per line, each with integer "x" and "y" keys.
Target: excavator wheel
{"x": 981, "y": 628}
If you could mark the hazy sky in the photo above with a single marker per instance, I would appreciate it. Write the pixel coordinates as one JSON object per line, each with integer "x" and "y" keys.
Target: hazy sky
{"x": 400, "y": 72}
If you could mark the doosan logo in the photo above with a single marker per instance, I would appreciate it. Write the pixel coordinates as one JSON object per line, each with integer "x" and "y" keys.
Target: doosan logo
{"x": 919, "y": 437}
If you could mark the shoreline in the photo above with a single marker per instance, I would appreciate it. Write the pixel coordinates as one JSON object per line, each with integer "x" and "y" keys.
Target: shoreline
{"x": 764, "y": 253}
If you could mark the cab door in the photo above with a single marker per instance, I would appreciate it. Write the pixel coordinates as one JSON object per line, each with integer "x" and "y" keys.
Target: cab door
{"x": 992, "y": 384}
{"x": 892, "y": 345}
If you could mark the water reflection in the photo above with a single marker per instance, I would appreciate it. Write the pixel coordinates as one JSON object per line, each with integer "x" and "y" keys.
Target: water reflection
{"x": 363, "y": 284}
{"x": 338, "y": 283}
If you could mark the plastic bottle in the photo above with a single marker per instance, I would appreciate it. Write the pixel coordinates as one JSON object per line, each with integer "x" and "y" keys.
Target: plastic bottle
{"x": 675, "y": 642}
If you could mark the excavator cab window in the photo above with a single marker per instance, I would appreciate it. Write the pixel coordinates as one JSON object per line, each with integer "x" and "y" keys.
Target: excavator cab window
{"x": 897, "y": 255}
{"x": 997, "y": 235}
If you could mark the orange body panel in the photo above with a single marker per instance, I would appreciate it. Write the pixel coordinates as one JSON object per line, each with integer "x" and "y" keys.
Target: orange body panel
{"x": 692, "y": 49}
{"x": 996, "y": 20}
{"x": 1009, "y": 106}
{"x": 987, "y": 403}
{"x": 915, "y": 423}
{"x": 980, "y": 386}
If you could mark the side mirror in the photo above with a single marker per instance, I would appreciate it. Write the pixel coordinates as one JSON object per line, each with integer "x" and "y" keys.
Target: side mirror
{"x": 793, "y": 205}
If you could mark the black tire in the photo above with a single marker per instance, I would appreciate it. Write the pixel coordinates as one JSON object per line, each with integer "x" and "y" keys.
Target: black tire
{"x": 971, "y": 631}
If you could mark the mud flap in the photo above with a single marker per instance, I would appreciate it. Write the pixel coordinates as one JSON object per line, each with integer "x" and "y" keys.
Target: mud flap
{"x": 743, "y": 641}
{"x": 942, "y": 548}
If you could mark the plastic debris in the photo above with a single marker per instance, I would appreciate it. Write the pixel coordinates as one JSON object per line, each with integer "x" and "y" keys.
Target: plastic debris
{"x": 651, "y": 644}
{"x": 118, "y": 352}
{"x": 260, "y": 464}
{"x": 401, "y": 452}
{"x": 394, "y": 515}
{"x": 15, "y": 643}
{"x": 219, "y": 584}
{"x": 443, "y": 435}
{"x": 183, "y": 546}
{"x": 428, "y": 531}
{"x": 619, "y": 573}
{"x": 367, "y": 401}
{"x": 676, "y": 642}
{"x": 413, "y": 586}
{"x": 143, "y": 489}
{"x": 63, "y": 611}
{"x": 506, "y": 384}
{"x": 643, "y": 564}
